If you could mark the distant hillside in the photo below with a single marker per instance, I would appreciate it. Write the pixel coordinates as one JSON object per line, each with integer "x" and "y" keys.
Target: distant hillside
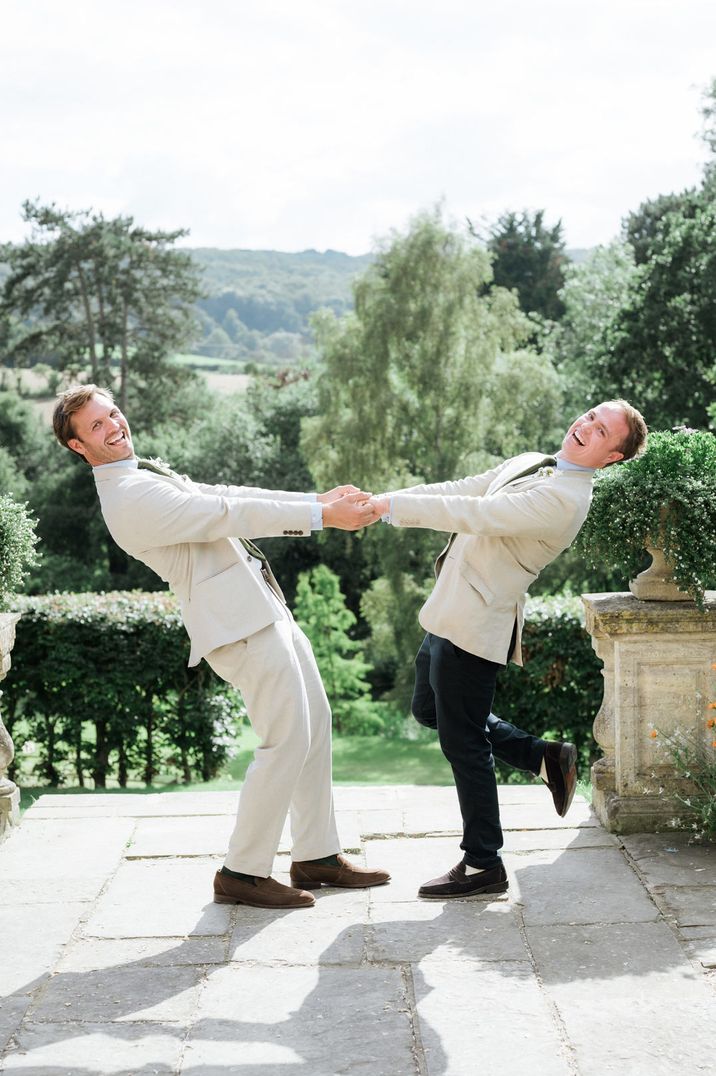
{"x": 259, "y": 302}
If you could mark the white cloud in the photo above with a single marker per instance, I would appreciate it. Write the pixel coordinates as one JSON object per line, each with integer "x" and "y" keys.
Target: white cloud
{"x": 325, "y": 123}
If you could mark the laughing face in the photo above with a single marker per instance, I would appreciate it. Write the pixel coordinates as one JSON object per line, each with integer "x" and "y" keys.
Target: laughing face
{"x": 101, "y": 432}
{"x": 594, "y": 439}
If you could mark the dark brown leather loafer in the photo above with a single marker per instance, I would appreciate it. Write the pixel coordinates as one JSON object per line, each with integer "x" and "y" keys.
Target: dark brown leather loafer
{"x": 261, "y": 893}
{"x": 560, "y": 760}
{"x": 457, "y": 883}
{"x": 346, "y": 875}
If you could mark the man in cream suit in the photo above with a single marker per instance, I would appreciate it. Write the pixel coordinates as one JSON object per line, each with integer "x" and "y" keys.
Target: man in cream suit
{"x": 237, "y": 619}
{"x": 507, "y": 525}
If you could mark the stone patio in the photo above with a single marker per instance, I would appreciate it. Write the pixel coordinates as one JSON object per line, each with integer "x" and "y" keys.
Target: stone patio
{"x": 600, "y": 960}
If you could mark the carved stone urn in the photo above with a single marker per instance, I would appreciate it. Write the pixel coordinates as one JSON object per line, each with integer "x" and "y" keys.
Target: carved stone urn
{"x": 656, "y": 583}
{"x": 9, "y": 792}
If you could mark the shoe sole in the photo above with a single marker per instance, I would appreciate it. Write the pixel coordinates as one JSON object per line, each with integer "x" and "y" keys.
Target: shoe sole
{"x": 568, "y": 766}
{"x": 338, "y": 885}
{"x": 484, "y": 894}
{"x": 255, "y": 904}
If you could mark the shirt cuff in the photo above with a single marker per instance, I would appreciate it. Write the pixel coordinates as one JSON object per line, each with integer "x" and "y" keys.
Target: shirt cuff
{"x": 387, "y": 517}
{"x": 316, "y": 515}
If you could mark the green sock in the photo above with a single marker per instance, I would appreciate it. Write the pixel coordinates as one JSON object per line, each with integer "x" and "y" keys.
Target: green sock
{"x": 326, "y": 861}
{"x": 236, "y": 874}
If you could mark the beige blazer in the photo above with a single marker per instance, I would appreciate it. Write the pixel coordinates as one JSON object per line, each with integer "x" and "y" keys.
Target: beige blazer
{"x": 186, "y": 532}
{"x": 505, "y": 532}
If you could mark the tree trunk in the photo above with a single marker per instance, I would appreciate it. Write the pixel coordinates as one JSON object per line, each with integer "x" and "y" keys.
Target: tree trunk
{"x": 91, "y": 332}
{"x": 101, "y": 756}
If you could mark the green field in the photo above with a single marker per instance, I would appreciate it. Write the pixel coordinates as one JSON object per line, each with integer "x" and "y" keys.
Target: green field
{"x": 357, "y": 760}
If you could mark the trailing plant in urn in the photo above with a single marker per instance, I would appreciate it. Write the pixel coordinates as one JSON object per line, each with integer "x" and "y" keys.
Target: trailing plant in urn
{"x": 17, "y": 547}
{"x": 664, "y": 499}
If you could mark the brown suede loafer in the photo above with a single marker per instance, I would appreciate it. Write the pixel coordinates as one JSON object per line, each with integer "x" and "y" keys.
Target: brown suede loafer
{"x": 457, "y": 883}
{"x": 346, "y": 875}
{"x": 560, "y": 760}
{"x": 261, "y": 893}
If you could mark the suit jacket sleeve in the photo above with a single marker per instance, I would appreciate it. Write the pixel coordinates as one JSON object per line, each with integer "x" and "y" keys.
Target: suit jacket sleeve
{"x": 150, "y": 514}
{"x": 472, "y": 486}
{"x": 255, "y": 492}
{"x": 534, "y": 512}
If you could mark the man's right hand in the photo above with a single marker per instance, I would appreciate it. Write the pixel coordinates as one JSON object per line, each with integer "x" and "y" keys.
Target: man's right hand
{"x": 350, "y": 512}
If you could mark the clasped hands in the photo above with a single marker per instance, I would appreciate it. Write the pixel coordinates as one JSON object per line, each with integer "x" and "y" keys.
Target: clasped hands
{"x": 349, "y": 508}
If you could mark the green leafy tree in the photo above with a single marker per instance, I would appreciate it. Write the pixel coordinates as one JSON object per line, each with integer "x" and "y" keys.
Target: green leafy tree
{"x": 593, "y": 294}
{"x": 98, "y": 294}
{"x": 531, "y": 258}
{"x": 411, "y": 388}
{"x": 662, "y": 343}
{"x": 322, "y": 613}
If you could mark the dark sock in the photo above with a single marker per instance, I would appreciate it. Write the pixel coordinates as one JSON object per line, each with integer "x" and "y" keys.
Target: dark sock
{"x": 236, "y": 874}
{"x": 326, "y": 861}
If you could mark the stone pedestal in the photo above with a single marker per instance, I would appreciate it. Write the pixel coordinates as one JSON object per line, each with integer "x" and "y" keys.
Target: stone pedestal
{"x": 658, "y": 674}
{"x": 9, "y": 792}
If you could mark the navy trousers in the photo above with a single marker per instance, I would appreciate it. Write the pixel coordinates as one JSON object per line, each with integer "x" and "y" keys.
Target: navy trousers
{"x": 454, "y": 691}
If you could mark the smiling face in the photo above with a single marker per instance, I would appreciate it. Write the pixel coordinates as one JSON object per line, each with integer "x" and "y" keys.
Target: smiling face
{"x": 595, "y": 438}
{"x": 101, "y": 432}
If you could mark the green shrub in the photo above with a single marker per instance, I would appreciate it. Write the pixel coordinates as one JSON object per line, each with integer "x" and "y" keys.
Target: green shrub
{"x": 17, "y": 547}
{"x": 559, "y": 691}
{"x": 99, "y": 684}
{"x": 664, "y": 498}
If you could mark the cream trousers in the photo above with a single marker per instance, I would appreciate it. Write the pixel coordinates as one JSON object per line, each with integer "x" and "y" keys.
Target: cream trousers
{"x": 277, "y": 675}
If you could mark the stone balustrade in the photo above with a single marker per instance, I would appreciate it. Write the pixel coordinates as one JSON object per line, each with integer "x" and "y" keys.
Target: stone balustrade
{"x": 9, "y": 792}
{"x": 658, "y": 675}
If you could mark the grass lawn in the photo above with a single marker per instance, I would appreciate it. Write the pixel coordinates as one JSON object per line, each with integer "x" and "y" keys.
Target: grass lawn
{"x": 357, "y": 760}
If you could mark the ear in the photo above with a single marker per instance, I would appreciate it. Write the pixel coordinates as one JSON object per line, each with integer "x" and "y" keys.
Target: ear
{"x": 613, "y": 457}
{"x": 76, "y": 445}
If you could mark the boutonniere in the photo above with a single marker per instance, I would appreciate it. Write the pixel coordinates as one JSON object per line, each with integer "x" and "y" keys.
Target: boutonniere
{"x": 546, "y": 472}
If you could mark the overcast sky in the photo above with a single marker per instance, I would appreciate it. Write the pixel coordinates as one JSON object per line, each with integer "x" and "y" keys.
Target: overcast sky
{"x": 290, "y": 124}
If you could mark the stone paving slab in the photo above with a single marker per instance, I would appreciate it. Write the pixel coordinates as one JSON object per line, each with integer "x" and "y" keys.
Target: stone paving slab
{"x": 666, "y": 859}
{"x": 121, "y": 993}
{"x": 456, "y": 930}
{"x": 96, "y": 1050}
{"x": 159, "y": 898}
{"x": 99, "y": 954}
{"x": 477, "y": 1019}
{"x": 33, "y": 937}
{"x": 691, "y": 906}
{"x": 599, "y": 959}
{"x": 586, "y": 885}
{"x": 267, "y": 1020}
{"x": 62, "y": 860}
{"x": 629, "y": 1001}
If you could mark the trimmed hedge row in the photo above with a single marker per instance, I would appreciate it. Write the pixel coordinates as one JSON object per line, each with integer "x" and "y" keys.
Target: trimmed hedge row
{"x": 559, "y": 691}
{"x": 99, "y": 684}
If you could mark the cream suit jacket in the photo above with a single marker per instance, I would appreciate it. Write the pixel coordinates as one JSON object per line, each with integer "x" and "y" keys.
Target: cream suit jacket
{"x": 504, "y": 532}
{"x": 187, "y": 532}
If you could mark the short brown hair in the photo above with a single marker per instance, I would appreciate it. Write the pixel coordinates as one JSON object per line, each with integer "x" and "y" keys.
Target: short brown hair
{"x": 68, "y": 404}
{"x": 635, "y": 441}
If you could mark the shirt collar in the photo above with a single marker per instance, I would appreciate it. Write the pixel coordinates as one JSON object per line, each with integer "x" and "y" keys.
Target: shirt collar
{"x": 562, "y": 465}
{"x": 133, "y": 463}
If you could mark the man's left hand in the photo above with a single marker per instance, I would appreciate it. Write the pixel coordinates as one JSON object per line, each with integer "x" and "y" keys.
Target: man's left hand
{"x": 334, "y": 494}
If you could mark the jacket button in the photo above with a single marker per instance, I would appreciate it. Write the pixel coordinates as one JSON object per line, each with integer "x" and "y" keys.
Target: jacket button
{"x": 249, "y": 559}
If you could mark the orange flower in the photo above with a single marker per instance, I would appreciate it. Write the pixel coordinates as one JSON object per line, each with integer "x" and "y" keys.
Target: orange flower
{"x": 711, "y": 722}
{"x": 653, "y": 734}
{"x": 713, "y": 743}
{"x": 711, "y": 706}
